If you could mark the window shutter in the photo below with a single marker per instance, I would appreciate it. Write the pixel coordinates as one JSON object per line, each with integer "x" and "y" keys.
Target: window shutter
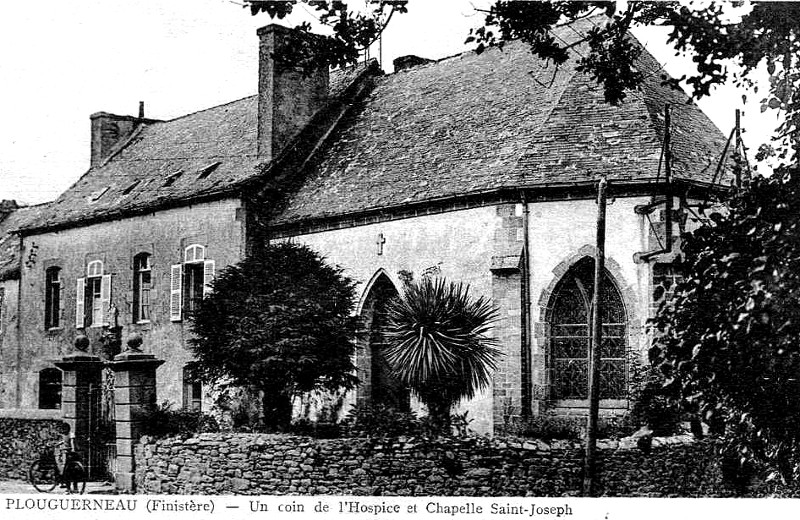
{"x": 105, "y": 299}
{"x": 175, "y": 293}
{"x": 208, "y": 276}
{"x": 79, "y": 303}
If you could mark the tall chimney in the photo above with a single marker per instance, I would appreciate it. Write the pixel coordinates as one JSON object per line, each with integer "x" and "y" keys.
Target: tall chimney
{"x": 288, "y": 97}
{"x": 107, "y": 131}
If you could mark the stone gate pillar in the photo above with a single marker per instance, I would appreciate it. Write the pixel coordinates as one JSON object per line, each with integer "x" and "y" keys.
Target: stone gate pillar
{"x": 82, "y": 373}
{"x": 134, "y": 393}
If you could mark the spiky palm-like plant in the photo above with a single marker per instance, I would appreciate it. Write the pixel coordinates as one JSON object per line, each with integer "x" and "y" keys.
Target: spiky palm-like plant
{"x": 438, "y": 344}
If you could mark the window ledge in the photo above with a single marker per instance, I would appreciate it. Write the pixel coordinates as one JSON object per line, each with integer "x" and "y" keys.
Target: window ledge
{"x": 55, "y": 330}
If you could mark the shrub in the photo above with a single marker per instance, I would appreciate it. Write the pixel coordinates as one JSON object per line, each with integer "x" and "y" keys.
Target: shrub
{"x": 365, "y": 420}
{"x": 652, "y": 406}
{"x": 166, "y": 421}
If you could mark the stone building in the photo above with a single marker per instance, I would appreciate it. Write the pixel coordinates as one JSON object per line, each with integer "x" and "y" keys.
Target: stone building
{"x": 478, "y": 168}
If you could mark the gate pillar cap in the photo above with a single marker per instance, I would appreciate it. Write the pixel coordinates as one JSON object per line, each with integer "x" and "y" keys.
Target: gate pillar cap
{"x": 128, "y": 359}
{"x": 129, "y": 355}
{"x": 76, "y": 358}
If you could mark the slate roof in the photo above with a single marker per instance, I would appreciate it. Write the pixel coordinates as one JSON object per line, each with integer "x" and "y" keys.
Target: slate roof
{"x": 477, "y": 123}
{"x": 469, "y": 124}
{"x": 9, "y": 242}
{"x": 219, "y": 141}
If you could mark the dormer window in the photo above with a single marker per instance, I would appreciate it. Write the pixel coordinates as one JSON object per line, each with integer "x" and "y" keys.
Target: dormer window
{"x": 172, "y": 178}
{"x": 95, "y": 196}
{"x": 208, "y": 170}
{"x": 130, "y": 187}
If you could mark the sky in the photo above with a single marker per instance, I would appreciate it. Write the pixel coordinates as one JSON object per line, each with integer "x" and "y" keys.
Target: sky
{"x": 61, "y": 61}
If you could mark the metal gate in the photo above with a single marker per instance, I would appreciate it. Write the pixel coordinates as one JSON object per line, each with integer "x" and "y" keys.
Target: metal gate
{"x": 102, "y": 447}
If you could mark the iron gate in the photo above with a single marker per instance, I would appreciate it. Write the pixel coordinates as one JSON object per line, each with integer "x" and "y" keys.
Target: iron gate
{"x": 102, "y": 448}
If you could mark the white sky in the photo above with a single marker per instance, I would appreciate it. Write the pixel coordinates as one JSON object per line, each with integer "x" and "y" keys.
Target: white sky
{"x": 61, "y": 61}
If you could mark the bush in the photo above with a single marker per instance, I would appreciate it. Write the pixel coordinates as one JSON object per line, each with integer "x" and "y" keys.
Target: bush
{"x": 365, "y": 420}
{"x": 166, "y": 421}
{"x": 382, "y": 421}
{"x": 652, "y": 405}
{"x": 573, "y": 428}
{"x": 318, "y": 430}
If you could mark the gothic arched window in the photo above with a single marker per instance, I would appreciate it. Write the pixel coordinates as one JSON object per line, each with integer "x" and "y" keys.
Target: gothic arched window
{"x": 379, "y": 387}
{"x": 570, "y": 336}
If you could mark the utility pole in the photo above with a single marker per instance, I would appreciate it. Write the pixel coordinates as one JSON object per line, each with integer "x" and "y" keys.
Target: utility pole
{"x": 596, "y": 324}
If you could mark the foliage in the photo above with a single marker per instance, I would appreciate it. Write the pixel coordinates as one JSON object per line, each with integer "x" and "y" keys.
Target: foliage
{"x": 555, "y": 427}
{"x": 352, "y": 31}
{"x": 316, "y": 429}
{"x": 380, "y": 421}
{"x": 365, "y": 420}
{"x": 166, "y": 421}
{"x": 729, "y": 340}
{"x": 280, "y": 321}
{"x": 438, "y": 344}
{"x": 653, "y": 406}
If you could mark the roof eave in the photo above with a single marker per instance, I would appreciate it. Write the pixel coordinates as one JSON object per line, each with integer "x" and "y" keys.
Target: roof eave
{"x": 539, "y": 192}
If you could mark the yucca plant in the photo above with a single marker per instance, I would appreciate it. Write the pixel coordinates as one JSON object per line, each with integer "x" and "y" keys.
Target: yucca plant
{"x": 438, "y": 344}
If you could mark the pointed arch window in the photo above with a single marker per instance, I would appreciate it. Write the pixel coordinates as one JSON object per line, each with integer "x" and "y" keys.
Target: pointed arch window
{"x": 570, "y": 336}
{"x": 380, "y": 385}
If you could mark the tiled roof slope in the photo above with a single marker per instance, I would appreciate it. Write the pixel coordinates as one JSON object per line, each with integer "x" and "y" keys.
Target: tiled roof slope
{"x": 9, "y": 242}
{"x": 135, "y": 176}
{"x": 475, "y": 123}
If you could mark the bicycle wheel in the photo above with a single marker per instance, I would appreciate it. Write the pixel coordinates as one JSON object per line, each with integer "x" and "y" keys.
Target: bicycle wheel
{"x": 75, "y": 477}
{"x": 43, "y": 476}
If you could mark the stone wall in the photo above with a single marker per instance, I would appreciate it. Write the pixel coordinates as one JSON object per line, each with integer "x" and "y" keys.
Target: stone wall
{"x": 23, "y": 436}
{"x": 280, "y": 464}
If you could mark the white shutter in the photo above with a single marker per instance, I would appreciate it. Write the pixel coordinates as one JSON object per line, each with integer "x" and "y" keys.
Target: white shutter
{"x": 79, "y": 302}
{"x": 175, "y": 287}
{"x": 208, "y": 276}
{"x": 105, "y": 300}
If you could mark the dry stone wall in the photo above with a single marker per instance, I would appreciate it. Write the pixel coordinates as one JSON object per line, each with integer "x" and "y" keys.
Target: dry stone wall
{"x": 22, "y": 439}
{"x": 226, "y": 463}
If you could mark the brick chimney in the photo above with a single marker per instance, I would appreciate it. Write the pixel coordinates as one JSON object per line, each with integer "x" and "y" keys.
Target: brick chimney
{"x": 288, "y": 97}
{"x": 109, "y": 130}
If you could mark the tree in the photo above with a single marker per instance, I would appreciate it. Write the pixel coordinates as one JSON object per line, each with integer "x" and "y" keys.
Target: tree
{"x": 280, "y": 321}
{"x": 438, "y": 344}
{"x": 729, "y": 340}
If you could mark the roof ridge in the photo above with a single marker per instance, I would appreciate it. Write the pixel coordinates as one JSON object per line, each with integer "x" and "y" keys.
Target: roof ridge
{"x": 207, "y": 109}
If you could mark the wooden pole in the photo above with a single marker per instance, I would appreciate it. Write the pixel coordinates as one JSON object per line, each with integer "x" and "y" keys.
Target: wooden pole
{"x": 668, "y": 178}
{"x": 596, "y": 324}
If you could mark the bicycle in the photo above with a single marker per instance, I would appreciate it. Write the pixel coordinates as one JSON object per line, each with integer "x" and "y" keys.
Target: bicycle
{"x": 44, "y": 473}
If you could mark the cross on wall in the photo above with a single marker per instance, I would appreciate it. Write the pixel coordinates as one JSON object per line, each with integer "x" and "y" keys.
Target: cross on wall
{"x": 381, "y": 240}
